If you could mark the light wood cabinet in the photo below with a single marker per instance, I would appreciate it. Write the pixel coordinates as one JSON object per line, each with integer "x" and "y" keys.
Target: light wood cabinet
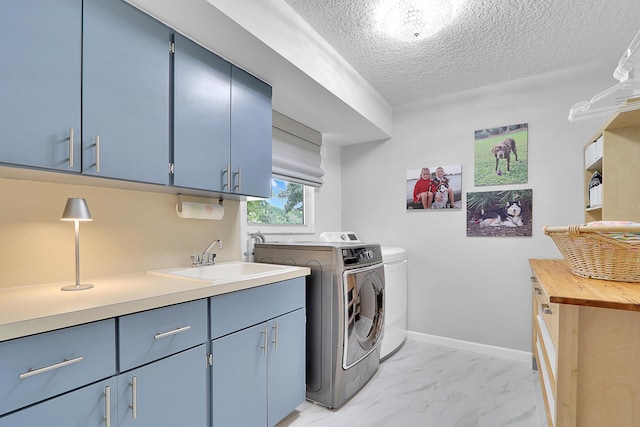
{"x": 586, "y": 346}
{"x": 614, "y": 151}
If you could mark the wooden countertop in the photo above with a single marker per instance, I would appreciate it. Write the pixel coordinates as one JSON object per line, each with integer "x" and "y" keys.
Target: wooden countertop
{"x": 564, "y": 287}
{"x": 34, "y": 309}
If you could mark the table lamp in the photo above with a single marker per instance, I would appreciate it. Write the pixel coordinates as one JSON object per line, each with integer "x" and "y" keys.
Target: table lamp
{"x": 76, "y": 210}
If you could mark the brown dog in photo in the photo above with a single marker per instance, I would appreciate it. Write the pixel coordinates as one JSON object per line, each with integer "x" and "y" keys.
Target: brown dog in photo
{"x": 503, "y": 150}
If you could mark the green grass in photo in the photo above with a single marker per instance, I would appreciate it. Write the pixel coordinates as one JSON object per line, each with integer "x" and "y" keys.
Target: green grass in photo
{"x": 485, "y": 162}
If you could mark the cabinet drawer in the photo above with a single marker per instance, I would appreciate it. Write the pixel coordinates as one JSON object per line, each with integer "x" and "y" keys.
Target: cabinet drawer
{"x": 547, "y": 310}
{"x": 547, "y": 382}
{"x": 238, "y": 310}
{"x": 40, "y": 366}
{"x": 151, "y": 335}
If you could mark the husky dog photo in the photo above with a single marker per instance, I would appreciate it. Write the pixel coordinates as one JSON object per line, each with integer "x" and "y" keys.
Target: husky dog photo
{"x": 500, "y": 213}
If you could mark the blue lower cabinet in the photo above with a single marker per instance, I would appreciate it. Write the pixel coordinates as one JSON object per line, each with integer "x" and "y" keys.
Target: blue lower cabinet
{"x": 239, "y": 378}
{"x": 38, "y": 367}
{"x": 168, "y": 392}
{"x": 286, "y": 365}
{"x": 93, "y": 405}
{"x": 262, "y": 368}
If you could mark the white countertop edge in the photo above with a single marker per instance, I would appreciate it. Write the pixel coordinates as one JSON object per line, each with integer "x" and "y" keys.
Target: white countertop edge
{"x": 36, "y": 309}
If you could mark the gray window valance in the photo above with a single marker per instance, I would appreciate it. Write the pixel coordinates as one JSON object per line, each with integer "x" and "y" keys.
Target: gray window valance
{"x": 296, "y": 152}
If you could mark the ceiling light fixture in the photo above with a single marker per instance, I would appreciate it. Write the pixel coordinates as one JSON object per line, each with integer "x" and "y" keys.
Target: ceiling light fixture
{"x": 409, "y": 20}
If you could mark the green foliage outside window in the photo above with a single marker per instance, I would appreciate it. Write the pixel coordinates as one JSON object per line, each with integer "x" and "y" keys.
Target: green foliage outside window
{"x": 285, "y": 207}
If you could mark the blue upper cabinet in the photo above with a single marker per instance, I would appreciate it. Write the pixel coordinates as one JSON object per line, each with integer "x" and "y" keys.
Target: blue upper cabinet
{"x": 40, "y": 83}
{"x": 222, "y": 124}
{"x": 125, "y": 98}
{"x": 87, "y": 86}
{"x": 202, "y": 99}
{"x": 251, "y": 121}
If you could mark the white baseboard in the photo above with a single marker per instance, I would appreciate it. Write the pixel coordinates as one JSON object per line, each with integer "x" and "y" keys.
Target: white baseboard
{"x": 490, "y": 350}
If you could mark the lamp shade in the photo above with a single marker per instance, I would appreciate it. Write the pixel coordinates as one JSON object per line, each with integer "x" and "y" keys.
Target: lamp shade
{"x": 76, "y": 210}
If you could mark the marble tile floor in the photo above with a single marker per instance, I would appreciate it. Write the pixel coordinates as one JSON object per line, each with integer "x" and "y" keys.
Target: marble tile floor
{"x": 426, "y": 385}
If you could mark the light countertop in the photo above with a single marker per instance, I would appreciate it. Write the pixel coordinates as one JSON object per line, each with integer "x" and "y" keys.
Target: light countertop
{"x": 34, "y": 309}
{"x": 564, "y": 287}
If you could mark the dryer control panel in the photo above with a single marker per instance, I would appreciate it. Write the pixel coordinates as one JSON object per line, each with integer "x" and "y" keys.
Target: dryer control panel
{"x": 339, "y": 236}
{"x": 361, "y": 255}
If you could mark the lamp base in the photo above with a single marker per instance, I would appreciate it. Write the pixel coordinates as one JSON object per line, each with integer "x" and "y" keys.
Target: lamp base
{"x": 78, "y": 287}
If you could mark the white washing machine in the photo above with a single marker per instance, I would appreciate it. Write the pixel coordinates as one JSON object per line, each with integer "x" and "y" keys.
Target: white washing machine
{"x": 395, "y": 300}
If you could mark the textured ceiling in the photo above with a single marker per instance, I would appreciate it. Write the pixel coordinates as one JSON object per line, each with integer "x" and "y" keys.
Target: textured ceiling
{"x": 489, "y": 42}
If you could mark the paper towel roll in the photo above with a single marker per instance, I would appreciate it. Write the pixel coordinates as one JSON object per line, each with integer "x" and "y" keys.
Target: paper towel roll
{"x": 200, "y": 211}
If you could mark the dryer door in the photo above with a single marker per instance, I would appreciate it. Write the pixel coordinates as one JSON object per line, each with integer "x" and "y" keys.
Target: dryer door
{"x": 363, "y": 312}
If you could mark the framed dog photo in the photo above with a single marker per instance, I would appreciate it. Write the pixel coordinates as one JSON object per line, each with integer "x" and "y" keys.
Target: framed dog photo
{"x": 434, "y": 187}
{"x": 500, "y": 213}
{"x": 501, "y": 155}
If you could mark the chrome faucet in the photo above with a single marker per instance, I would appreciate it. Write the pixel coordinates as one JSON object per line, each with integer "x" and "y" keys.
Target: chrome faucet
{"x": 258, "y": 237}
{"x": 206, "y": 258}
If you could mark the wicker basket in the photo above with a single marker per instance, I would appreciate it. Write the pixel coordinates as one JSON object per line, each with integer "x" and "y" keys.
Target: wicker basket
{"x": 591, "y": 252}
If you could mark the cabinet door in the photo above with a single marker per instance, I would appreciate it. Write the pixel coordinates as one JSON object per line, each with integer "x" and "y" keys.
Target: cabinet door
{"x": 239, "y": 378}
{"x": 286, "y": 365}
{"x": 125, "y": 93}
{"x": 202, "y": 102}
{"x": 169, "y": 392}
{"x": 40, "y": 84}
{"x": 90, "y": 406}
{"x": 251, "y": 121}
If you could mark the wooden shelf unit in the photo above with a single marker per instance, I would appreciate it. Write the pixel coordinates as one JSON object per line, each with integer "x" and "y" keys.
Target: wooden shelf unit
{"x": 586, "y": 345}
{"x": 618, "y": 166}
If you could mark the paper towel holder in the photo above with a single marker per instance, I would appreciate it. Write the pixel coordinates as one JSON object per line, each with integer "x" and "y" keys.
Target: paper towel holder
{"x": 180, "y": 202}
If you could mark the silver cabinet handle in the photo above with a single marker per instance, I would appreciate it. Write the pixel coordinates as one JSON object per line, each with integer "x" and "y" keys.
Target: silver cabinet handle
{"x": 134, "y": 397}
{"x": 107, "y": 406}
{"x": 546, "y": 309}
{"x": 275, "y": 334}
{"x": 170, "y": 333}
{"x": 538, "y": 291}
{"x": 71, "y": 147}
{"x": 66, "y": 362}
{"x": 239, "y": 175}
{"x": 265, "y": 339}
{"x": 228, "y": 183}
{"x": 97, "y": 153}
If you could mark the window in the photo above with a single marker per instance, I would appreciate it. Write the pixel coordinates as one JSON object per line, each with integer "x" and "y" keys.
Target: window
{"x": 296, "y": 173}
{"x": 289, "y": 210}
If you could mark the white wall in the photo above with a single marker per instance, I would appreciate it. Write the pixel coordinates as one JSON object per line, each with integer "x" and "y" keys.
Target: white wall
{"x": 473, "y": 289}
{"x": 329, "y": 197}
